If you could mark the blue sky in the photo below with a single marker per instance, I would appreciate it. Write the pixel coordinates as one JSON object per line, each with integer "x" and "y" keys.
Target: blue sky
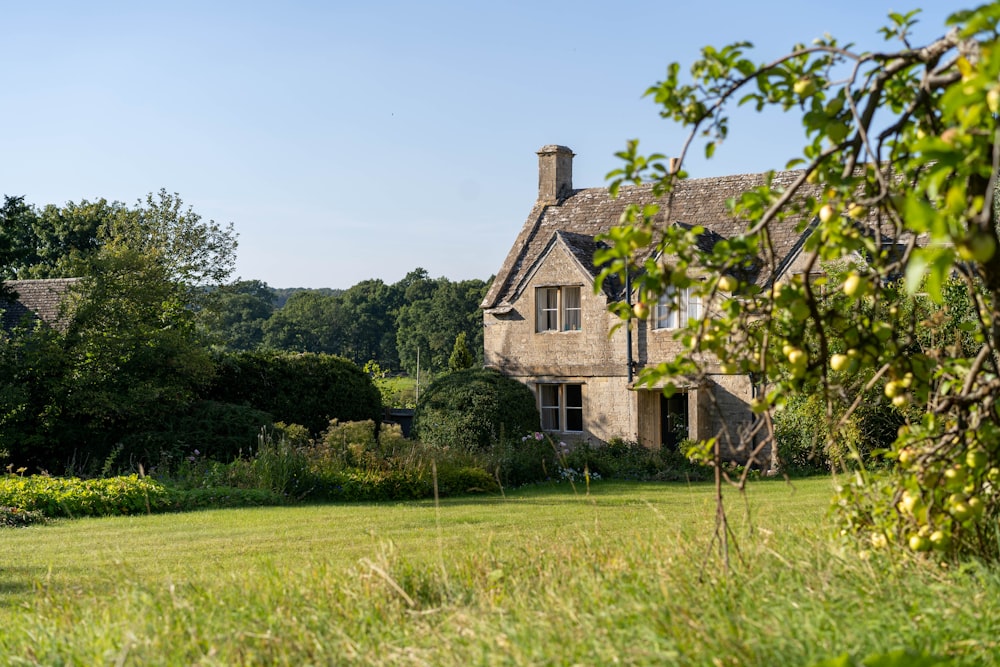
{"x": 349, "y": 141}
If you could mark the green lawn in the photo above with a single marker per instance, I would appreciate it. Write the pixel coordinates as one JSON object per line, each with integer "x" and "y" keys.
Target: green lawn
{"x": 544, "y": 575}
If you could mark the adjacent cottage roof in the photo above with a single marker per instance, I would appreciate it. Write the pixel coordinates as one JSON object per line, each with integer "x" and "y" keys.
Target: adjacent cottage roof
{"x": 580, "y": 215}
{"x": 39, "y": 299}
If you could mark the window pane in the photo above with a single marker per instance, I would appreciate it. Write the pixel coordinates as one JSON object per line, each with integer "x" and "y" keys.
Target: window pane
{"x": 571, "y": 314}
{"x": 573, "y": 394}
{"x": 548, "y": 398}
{"x": 547, "y": 309}
{"x": 693, "y": 305}
{"x": 667, "y": 310}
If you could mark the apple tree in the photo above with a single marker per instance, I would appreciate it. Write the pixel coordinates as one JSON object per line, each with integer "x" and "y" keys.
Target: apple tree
{"x": 895, "y": 196}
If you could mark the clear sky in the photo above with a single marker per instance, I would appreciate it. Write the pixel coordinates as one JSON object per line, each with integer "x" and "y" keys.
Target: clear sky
{"x": 356, "y": 140}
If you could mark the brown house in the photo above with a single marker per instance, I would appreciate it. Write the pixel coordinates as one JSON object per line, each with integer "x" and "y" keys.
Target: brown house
{"x": 545, "y": 326}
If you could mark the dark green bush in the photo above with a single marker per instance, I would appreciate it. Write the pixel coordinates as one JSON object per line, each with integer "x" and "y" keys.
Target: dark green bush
{"x": 627, "y": 459}
{"x": 801, "y": 432}
{"x": 185, "y": 500}
{"x": 474, "y": 409}
{"x": 523, "y": 460}
{"x": 15, "y": 517}
{"x": 367, "y": 485}
{"x": 210, "y": 429}
{"x": 306, "y": 389}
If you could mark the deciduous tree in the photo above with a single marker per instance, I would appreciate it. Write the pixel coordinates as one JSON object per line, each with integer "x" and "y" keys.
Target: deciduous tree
{"x": 897, "y": 179}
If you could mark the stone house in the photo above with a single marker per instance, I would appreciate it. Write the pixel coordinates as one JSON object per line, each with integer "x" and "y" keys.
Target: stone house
{"x": 546, "y": 327}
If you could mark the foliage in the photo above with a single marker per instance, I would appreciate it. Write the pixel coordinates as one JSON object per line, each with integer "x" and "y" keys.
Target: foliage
{"x": 898, "y": 169}
{"x": 74, "y": 497}
{"x": 352, "y": 462}
{"x": 433, "y": 313}
{"x": 461, "y": 358}
{"x": 523, "y": 460}
{"x": 308, "y": 322}
{"x": 280, "y": 465}
{"x": 35, "y": 366}
{"x": 627, "y": 459}
{"x": 539, "y": 457}
{"x": 13, "y": 517}
{"x": 234, "y": 315}
{"x": 221, "y": 497}
{"x": 130, "y": 356}
{"x": 473, "y": 409}
{"x": 218, "y": 431}
{"x": 305, "y": 389}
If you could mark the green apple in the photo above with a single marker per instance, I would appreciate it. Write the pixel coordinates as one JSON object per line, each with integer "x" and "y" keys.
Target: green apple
{"x": 728, "y": 284}
{"x": 976, "y": 458}
{"x": 804, "y": 86}
{"x": 940, "y": 540}
{"x": 797, "y": 357}
{"x": 975, "y": 506}
{"x": 993, "y": 99}
{"x": 854, "y": 285}
{"x": 839, "y": 362}
{"x": 955, "y": 476}
{"x": 908, "y": 503}
{"x": 919, "y": 543}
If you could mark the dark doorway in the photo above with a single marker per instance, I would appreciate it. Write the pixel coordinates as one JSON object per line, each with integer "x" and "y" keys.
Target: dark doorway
{"x": 673, "y": 420}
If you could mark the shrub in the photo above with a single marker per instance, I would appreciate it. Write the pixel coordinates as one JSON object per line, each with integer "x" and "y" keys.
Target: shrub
{"x": 306, "y": 389}
{"x": 280, "y": 466}
{"x": 523, "y": 460}
{"x": 219, "y": 431}
{"x": 14, "y": 517}
{"x": 801, "y": 432}
{"x": 627, "y": 459}
{"x": 473, "y": 409}
{"x": 185, "y": 500}
{"x": 73, "y": 497}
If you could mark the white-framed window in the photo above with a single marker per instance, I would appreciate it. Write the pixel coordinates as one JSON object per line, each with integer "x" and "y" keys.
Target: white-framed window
{"x": 557, "y": 309}
{"x": 561, "y": 407}
{"x": 676, "y": 307}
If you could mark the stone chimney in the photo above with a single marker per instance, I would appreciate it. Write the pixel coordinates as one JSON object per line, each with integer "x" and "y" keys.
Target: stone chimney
{"x": 555, "y": 174}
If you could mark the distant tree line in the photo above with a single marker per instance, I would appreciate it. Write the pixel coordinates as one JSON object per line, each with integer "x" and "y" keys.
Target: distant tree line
{"x": 390, "y": 324}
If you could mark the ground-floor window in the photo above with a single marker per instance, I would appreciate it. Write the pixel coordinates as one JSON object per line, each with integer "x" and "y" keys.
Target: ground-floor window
{"x": 561, "y": 407}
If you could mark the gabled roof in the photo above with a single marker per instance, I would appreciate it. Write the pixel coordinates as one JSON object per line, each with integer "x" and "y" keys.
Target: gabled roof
{"x": 584, "y": 214}
{"x": 582, "y": 248}
{"x": 38, "y": 299}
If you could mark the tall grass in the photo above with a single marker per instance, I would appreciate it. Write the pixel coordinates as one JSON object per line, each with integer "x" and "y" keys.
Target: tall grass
{"x": 546, "y": 575}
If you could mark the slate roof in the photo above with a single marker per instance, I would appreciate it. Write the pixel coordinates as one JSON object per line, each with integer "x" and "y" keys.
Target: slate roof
{"x": 40, "y": 299}
{"x": 584, "y": 214}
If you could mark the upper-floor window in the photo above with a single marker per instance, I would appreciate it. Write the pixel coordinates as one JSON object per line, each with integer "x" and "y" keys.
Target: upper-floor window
{"x": 676, "y": 307}
{"x": 561, "y": 407}
{"x": 557, "y": 309}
